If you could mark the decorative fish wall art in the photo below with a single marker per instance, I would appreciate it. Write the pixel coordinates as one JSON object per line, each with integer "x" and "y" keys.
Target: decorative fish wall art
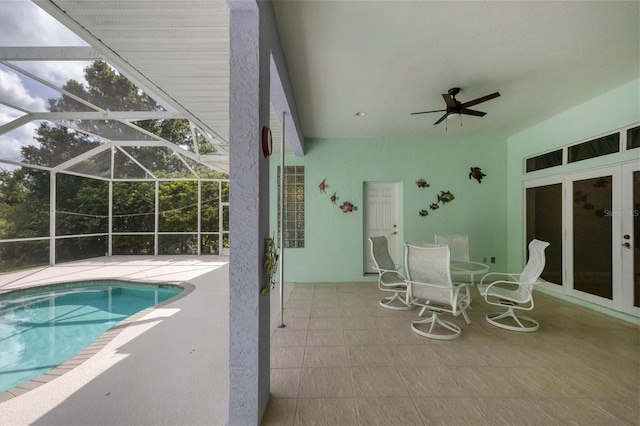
{"x": 445, "y": 197}
{"x": 348, "y": 207}
{"x": 421, "y": 183}
{"x": 323, "y": 186}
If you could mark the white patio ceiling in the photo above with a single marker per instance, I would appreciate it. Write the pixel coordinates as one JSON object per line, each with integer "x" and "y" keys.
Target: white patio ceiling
{"x": 388, "y": 58}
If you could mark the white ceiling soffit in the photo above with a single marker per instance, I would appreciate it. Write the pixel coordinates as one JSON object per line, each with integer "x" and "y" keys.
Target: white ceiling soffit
{"x": 392, "y": 58}
{"x": 178, "y": 50}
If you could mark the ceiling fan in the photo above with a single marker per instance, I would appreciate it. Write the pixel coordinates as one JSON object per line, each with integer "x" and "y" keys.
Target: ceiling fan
{"x": 455, "y": 107}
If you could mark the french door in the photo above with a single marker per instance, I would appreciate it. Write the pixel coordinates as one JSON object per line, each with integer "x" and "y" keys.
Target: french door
{"x": 592, "y": 220}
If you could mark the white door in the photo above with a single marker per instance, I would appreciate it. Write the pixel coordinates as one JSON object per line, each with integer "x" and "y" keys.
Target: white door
{"x": 630, "y": 244}
{"x": 602, "y": 248}
{"x": 380, "y": 218}
{"x": 592, "y": 220}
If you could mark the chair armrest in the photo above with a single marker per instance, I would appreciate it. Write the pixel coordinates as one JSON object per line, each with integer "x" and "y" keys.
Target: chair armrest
{"x": 394, "y": 271}
{"x": 505, "y": 294}
{"x": 514, "y": 277}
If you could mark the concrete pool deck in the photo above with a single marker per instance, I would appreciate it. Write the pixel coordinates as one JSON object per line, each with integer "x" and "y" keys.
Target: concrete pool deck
{"x": 169, "y": 366}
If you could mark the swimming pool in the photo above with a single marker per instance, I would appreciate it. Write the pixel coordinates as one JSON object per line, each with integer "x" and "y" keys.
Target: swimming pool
{"x": 42, "y": 327}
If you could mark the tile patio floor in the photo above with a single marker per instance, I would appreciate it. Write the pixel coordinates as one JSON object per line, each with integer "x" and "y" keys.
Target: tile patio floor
{"x": 343, "y": 360}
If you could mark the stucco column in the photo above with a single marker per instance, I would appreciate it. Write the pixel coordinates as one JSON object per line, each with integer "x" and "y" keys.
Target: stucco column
{"x": 249, "y": 217}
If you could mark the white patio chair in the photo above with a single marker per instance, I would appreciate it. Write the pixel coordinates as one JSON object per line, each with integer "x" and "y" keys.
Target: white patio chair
{"x": 429, "y": 285}
{"x": 390, "y": 279}
{"x": 459, "y": 247}
{"x": 515, "y": 292}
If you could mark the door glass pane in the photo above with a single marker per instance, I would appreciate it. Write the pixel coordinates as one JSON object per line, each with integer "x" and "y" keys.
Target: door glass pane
{"x": 544, "y": 222}
{"x": 595, "y": 148}
{"x": 633, "y": 138}
{"x": 592, "y": 236}
{"x": 543, "y": 161}
{"x": 636, "y": 238}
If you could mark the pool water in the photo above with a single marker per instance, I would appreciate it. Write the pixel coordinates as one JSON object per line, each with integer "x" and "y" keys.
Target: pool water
{"x": 42, "y": 327}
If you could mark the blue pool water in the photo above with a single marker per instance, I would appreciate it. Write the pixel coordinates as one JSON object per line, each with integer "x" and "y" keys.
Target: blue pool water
{"x": 42, "y": 327}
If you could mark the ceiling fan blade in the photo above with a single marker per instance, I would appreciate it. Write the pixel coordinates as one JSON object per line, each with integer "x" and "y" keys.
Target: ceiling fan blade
{"x": 480, "y": 100}
{"x": 441, "y": 119}
{"x": 472, "y": 112}
{"x": 449, "y": 100}
{"x": 427, "y": 112}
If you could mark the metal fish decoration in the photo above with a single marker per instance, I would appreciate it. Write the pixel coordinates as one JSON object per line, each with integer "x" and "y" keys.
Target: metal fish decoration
{"x": 434, "y": 206}
{"x": 333, "y": 198}
{"x": 423, "y": 213}
{"x": 422, "y": 183}
{"x": 347, "y": 207}
{"x": 445, "y": 197}
{"x": 323, "y": 186}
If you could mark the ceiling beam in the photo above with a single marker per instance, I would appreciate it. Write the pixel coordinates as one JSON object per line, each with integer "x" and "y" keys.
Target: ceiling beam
{"x": 49, "y": 53}
{"x": 107, "y": 115}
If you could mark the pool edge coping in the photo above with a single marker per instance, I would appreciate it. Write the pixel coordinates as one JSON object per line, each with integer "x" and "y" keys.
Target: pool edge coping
{"x": 98, "y": 344}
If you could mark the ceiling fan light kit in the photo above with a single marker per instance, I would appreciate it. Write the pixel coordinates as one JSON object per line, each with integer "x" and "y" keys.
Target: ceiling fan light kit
{"x": 455, "y": 108}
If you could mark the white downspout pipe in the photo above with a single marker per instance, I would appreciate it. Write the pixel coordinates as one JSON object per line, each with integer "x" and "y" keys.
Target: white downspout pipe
{"x": 281, "y": 225}
{"x": 52, "y": 217}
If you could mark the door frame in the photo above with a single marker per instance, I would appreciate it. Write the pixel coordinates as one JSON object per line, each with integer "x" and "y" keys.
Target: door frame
{"x": 366, "y": 252}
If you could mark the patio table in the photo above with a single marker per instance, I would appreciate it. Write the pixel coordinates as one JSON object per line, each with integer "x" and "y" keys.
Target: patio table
{"x": 466, "y": 267}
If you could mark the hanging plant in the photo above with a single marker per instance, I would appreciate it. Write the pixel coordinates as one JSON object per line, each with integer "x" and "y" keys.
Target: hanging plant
{"x": 270, "y": 266}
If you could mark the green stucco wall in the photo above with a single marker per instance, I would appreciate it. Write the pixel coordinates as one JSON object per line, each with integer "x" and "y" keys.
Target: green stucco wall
{"x": 606, "y": 113}
{"x": 334, "y": 240}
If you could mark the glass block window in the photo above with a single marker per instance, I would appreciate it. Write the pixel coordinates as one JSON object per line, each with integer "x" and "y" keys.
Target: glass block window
{"x": 293, "y": 233}
{"x": 633, "y": 138}
{"x": 595, "y": 148}
{"x": 543, "y": 161}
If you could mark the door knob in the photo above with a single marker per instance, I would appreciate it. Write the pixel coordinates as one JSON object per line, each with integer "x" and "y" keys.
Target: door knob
{"x": 394, "y": 233}
{"x": 627, "y": 245}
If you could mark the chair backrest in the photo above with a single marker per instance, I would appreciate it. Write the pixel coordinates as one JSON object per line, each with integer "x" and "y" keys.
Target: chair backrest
{"x": 535, "y": 265}
{"x": 429, "y": 265}
{"x": 383, "y": 261}
{"x": 458, "y": 245}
